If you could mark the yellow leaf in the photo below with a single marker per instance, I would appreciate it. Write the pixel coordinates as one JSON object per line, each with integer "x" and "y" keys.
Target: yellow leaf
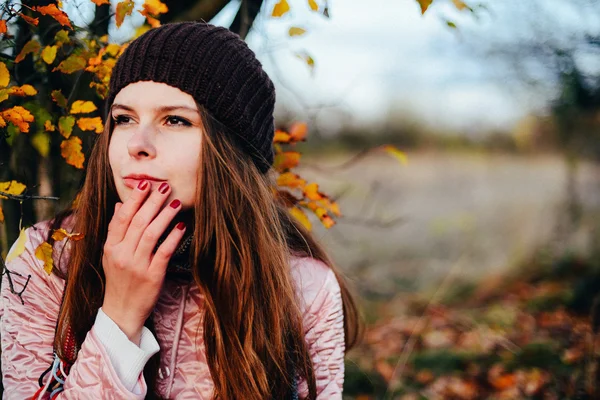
{"x": 70, "y": 149}
{"x": 123, "y": 8}
{"x": 2, "y": 122}
{"x": 113, "y": 49}
{"x": 460, "y": 5}
{"x": 25, "y": 90}
{"x": 286, "y": 160}
{"x": 18, "y": 248}
{"x": 49, "y": 126}
{"x": 18, "y": 116}
{"x": 82, "y": 107}
{"x": 296, "y": 31}
{"x": 290, "y": 180}
{"x": 55, "y": 13}
{"x": 301, "y": 217}
{"x": 280, "y": 8}
{"x": 41, "y": 142}
{"x": 33, "y": 46}
{"x": 311, "y": 191}
{"x": 71, "y": 64}
{"x": 11, "y": 187}
{"x": 44, "y": 253}
{"x": 400, "y": 155}
{"x": 4, "y": 75}
{"x": 90, "y": 124}
{"x": 65, "y": 125}
{"x": 313, "y": 5}
{"x": 281, "y": 137}
{"x": 49, "y": 54}
{"x": 61, "y": 37}
{"x": 61, "y": 233}
{"x": 424, "y": 5}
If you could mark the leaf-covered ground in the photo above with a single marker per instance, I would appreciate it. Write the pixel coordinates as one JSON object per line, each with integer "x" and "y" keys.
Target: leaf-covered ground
{"x": 525, "y": 337}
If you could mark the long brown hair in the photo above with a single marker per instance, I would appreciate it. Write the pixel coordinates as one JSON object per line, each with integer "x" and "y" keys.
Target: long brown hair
{"x": 243, "y": 238}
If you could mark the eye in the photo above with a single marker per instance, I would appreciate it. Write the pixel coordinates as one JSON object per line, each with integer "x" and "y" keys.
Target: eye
{"x": 121, "y": 119}
{"x": 177, "y": 121}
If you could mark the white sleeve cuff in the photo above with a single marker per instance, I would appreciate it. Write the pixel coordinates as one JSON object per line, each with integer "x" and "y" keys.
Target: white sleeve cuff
{"x": 127, "y": 359}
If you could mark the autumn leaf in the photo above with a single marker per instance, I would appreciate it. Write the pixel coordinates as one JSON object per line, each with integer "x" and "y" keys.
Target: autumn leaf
{"x": 65, "y": 125}
{"x": 18, "y": 248}
{"x": 22, "y": 91}
{"x": 30, "y": 20}
{"x": 4, "y": 75}
{"x": 2, "y": 122}
{"x": 49, "y": 54}
{"x": 90, "y": 124}
{"x": 459, "y": 4}
{"x": 44, "y": 253}
{"x": 291, "y": 180}
{"x": 70, "y": 150}
{"x": 41, "y": 142}
{"x": 286, "y": 160}
{"x": 18, "y": 116}
{"x": 55, "y": 13}
{"x": 281, "y": 137}
{"x": 59, "y": 98}
{"x": 82, "y": 107}
{"x": 281, "y": 8}
{"x": 124, "y": 8}
{"x": 301, "y": 217}
{"x": 307, "y": 59}
{"x": 1, "y": 215}
{"x": 61, "y": 37}
{"x": 154, "y": 8}
{"x": 11, "y": 187}
{"x": 100, "y": 2}
{"x": 424, "y": 5}
{"x": 298, "y": 131}
{"x": 313, "y": 5}
{"x": 113, "y": 49}
{"x": 71, "y": 64}
{"x": 61, "y": 233}
{"x": 33, "y": 46}
{"x": 2, "y": 26}
{"x": 399, "y": 155}
{"x": 49, "y": 126}
{"x": 296, "y": 31}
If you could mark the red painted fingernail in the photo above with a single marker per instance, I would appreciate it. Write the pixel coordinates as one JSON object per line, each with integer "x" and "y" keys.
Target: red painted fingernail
{"x": 163, "y": 187}
{"x": 142, "y": 185}
{"x": 180, "y": 226}
{"x": 175, "y": 203}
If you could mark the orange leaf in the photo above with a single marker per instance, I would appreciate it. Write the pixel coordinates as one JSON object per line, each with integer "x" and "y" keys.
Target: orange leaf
{"x": 298, "y": 132}
{"x": 2, "y": 26}
{"x": 55, "y": 13}
{"x": 71, "y": 64}
{"x": 313, "y": 5}
{"x": 424, "y": 5}
{"x": 70, "y": 149}
{"x": 1, "y": 215}
{"x": 30, "y": 20}
{"x": 286, "y": 160}
{"x": 33, "y": 46}
{"x": 90, "y": 124}
{"x": 311, "y": 191}
{"x": 18, "y": 116}
{"x": 281, "y": 137}
{"x": 49, "y": 126}
{"x": 4, "y": 75}
{"x": 124, "y": 8}
{"x": 154, "y": 8}
{"x": 290, "y": 180}
{"x": 460, "y": 5}
{"x": 281, "y": 8}
{"x": 2, "y": 122}
{"x": 22, "y": 91}
{"x": 301, "y": 217}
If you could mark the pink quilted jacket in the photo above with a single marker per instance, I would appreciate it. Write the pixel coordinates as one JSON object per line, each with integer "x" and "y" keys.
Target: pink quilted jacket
{"x": 27, "y": 332}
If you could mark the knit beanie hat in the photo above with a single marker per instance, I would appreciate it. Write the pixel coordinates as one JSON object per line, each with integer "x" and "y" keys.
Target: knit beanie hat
{"x": 217, "y": 68}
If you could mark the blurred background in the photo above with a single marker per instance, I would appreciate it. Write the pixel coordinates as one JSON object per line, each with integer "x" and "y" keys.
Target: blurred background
{"x": 475, "y": 261}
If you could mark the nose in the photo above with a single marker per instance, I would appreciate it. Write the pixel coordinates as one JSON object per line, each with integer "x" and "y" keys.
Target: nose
{"x": 141, "y": 143}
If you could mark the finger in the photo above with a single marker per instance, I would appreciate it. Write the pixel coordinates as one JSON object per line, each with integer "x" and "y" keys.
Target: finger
{"x": 155, "y": 230}
{"x": 117, "y": 228}
{"x": 145, "y": 215}
{"x": 163, "y": 254}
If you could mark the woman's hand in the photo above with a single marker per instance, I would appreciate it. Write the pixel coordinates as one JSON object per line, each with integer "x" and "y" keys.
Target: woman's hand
{"x": 134, "y": 274}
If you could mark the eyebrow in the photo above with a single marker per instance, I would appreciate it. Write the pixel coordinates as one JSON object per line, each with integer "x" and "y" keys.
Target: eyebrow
{"x": 161, "y": 109}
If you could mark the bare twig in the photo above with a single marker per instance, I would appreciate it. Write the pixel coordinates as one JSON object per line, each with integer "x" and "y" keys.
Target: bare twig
{"x": 24, "y": 197}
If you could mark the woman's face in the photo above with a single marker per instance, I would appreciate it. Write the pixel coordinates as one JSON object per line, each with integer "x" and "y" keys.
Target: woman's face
{"x": 156, "y": 137}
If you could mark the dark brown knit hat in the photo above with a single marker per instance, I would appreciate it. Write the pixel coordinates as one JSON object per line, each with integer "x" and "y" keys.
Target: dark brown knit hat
{"x": 214, "y": 66}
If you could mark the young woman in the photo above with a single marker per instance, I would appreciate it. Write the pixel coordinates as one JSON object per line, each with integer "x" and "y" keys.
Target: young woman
{"x": 191, "y": 281}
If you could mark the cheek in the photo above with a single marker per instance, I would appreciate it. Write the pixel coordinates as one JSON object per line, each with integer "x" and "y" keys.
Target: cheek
{"x": 186, "y": 173}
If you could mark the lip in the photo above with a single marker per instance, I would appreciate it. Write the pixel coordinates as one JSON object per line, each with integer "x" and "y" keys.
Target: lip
{"x": 132, "y": 180}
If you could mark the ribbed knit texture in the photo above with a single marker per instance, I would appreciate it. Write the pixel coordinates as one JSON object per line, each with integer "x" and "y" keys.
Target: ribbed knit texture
{"x": 217, "y": 68}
